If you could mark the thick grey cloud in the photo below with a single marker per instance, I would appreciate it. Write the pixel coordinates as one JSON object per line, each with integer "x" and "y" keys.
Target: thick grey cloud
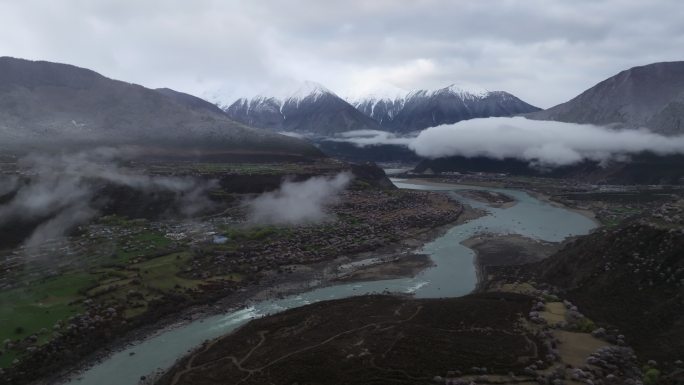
{"x": 541, "y": 50}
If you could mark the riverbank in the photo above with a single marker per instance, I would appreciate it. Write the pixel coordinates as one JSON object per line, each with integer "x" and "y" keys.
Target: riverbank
{"x": 298, "y": 279}
{"x": 389, "y": 260}
{"x": 505, "y": 250}
{"x": 490, "y": 198}
{"x": 405, "y": 266}
{"x": 548, "y": 199}
{"x": 534, "y": 193}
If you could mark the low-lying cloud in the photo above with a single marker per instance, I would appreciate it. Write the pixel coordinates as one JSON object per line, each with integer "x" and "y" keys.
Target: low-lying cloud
{"x": 59, "y": 192}
{"x": 292, "y": 134}
{"x": 547, "y": 143}
{"x": 298, "y": 202}
{"x": 364, "y": 138}
{"x": 542, "y": 143}
{"x": 8, "y": 184}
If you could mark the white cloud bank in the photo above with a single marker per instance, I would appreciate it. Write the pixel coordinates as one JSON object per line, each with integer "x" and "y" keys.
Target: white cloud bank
{"x": 364, "y": 138}
{"x": 546, "y": 143}
{"x": 542, "y": 143}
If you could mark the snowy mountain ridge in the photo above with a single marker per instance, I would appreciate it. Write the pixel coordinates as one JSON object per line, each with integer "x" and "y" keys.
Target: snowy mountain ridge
{"x": 310, "y": 108}
{"x": 315, "y": 109}
{"x": 419, "y": 109}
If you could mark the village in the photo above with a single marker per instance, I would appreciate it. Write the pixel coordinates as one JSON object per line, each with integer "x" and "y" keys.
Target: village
{"x": 366, "y": 221}
{"x": 117, "y": 274}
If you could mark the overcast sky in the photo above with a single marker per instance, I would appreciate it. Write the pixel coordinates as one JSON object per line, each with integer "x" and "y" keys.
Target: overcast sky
{"x": 543, "y": 51}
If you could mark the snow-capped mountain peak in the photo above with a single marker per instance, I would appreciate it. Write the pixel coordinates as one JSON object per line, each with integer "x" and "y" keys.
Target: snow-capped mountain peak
{"x": 379, "y": 101}
{"x": 378, "y": 93}
{"x": 310, "y": 108}
{"x": 462, "y": 91}
{"x": 294, "y": 93}
{"x": 467, "y": 91}
{"x": 424, "y": 108}
{"x": 280, "y": 94}
{"x": 308, "y": 89}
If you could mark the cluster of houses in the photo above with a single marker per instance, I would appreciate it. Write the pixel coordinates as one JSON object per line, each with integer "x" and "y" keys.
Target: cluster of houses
{"x": 364, "y": 221}
{"x": 671, "y": 213}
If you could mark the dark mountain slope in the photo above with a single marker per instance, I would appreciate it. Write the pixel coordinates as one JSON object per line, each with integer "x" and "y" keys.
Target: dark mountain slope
{"x": 48, "y": 105}
{"x": 648, "y": 96}
{"x": 388, "y": 340}
{"x": 632, "y": 278}
{"x": 191, "y": 101}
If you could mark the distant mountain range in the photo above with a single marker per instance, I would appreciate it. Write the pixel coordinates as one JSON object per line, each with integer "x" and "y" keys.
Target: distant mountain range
{"x": 650, "y": 96}
{"x": 51, "y": 105}
{"x": 316, "y": 110}
{"x": 310, "y": 109}
{"x": 417, "y": 110}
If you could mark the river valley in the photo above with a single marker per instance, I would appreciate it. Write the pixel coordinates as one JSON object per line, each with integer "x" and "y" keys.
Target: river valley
{"x": 453, "y": 274}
